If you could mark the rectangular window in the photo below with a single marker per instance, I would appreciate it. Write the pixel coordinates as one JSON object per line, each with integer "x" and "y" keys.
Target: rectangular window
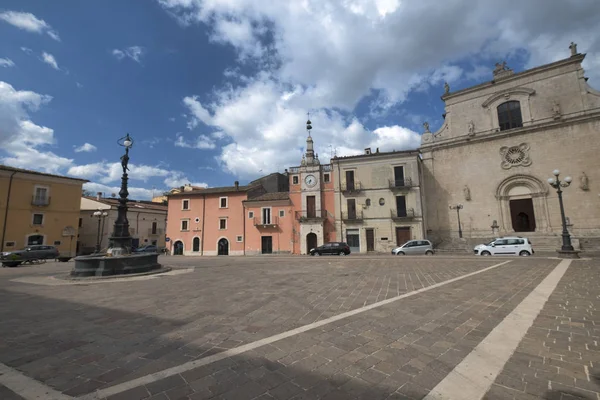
{"x": 9, "y": 244}
{"x": 185, "y": 224}
{"x": 40, "y": 197}
{"x": 350, "y": 180}
{"x": 239, "y": 239}
{"x": 250, "y": 214}
{"x": 80, "y": 222}
{"x": 281, "y": 213}
{"x": 222, "y": 202}
{"x": 401, "y": 206}
{"x": 295, "y": 180}
{"x": 154, "y": 227}
{"x": 38, "y": 219}
{"x": 223, "y": 223}
{"x": 185, "y": 204}
{"x": 57, "y": 242}
{"x": 266, "y": 216}
{"x": 326, "y": 178}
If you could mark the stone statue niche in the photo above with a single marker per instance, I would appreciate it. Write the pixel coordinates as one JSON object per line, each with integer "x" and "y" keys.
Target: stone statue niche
{"x": 467, "y": 193}
{"x": 584, "y": 183}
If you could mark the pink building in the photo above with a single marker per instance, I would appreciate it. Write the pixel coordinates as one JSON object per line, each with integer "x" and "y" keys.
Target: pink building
{"x": 270, "y": 224}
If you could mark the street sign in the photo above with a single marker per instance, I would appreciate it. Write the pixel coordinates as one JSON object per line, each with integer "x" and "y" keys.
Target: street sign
{"x": 167, "y": 239}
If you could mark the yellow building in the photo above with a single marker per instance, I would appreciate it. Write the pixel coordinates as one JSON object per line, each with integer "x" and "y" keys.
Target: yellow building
{"x": 38, "y": 208}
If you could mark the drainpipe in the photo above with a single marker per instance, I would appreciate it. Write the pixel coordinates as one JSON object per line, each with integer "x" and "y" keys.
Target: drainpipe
{"x": 340, "y": 196}
{"x": 202, "y": 234}
{"x": 6, "y": 211}
{"x": 244, "y": 225}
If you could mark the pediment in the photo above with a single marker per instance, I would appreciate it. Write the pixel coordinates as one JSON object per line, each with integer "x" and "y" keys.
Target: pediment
{"x": 507, "y": 94}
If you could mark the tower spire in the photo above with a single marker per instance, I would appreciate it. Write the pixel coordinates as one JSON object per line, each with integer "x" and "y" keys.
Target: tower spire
{"x": 310, "y": 152}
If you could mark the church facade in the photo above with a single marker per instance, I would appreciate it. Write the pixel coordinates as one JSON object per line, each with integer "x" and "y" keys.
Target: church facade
{"x": 500, "y": 143}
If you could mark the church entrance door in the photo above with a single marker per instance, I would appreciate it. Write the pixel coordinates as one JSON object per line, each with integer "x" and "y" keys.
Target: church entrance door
{"x": 522, "y": 215}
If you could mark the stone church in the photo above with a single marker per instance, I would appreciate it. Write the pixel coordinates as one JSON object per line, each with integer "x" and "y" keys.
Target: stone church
{"x": 496, "y": 149}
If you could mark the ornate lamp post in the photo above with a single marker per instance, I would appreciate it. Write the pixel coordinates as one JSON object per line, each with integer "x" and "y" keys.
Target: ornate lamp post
{"x": 100, "y": 215}
{"x": 458, "y": 207}
{"x": 121, "y": 239}
{"x": 567, "y": 250}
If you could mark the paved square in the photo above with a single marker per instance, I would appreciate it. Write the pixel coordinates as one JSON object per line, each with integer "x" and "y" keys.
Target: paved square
{"x": 298, "y": 328}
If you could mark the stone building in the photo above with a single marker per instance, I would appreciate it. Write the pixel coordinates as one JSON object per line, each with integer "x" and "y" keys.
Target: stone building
{"x": 497, "y": 147}
{"x": 378, "y": 199}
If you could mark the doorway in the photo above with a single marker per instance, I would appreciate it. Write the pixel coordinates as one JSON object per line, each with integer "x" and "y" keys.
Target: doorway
{"x": 402, "y": 235}
{"x": 351, "y": 205}
{"x": 353, "y": 240}
{"x": 522, "y": 215}
{"x": 178, "y": 248}
{"x": 350, "y": 181}
{"x": 267, "y": 244}
{"x": 311, "y": 207}
{"x": 223, "y": 247}
{"x": 398, "y": 176}
{"x": 311, "y": 242}
{"x": 370, "y": 239}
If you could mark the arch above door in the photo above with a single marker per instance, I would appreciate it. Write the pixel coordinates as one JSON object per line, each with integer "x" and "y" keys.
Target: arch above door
{"x": 522, "y": 204}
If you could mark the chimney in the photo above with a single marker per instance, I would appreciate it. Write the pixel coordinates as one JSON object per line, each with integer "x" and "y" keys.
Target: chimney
{"x": 237, "y": 185}
{"x": 368, "y": 150}
{"x": 98, "y": 195}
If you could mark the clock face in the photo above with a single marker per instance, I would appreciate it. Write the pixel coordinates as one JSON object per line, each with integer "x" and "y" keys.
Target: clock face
{"x": 310, "y": 180}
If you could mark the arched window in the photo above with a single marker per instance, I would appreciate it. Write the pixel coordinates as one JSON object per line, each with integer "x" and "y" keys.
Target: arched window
{"x": 196, "y": 244}
{"x": 509, "y": 115}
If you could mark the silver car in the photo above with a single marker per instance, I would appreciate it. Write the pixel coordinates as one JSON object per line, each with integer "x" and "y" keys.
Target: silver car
{"x": 414, "y": 247}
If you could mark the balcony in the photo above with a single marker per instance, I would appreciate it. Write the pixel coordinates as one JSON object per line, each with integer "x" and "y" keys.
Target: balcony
{"x": 399, "y": 184}
{"x": 155, "y": 232}
{"x": 349, "y": 217}
{"x": 351, "y": 187}
{"x": 40, "y": 201}
{"x": 272, "y": 222}
{"x": 403, "y": 215}
{"x": 311, "y": 216}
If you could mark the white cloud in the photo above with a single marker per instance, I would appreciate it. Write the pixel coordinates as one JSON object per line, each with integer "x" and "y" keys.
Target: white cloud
{"x": 86, "y": 147}
{"x": 50, "y": 60}
{"x": 27, "y": 50}
{"x": 201, "y": 142}
{"x": 199, "y": 113}
{"x": 135, "y": 193}
{"x": 6, "y": 62}
{"x": 29, "y": 22}
{"x": 133, "y": 52}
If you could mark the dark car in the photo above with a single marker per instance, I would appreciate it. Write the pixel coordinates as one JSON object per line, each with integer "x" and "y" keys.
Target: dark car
{"x": 146, "y": 249}
{"x": 331, "y": 249}
{"x": 29, "y": 253}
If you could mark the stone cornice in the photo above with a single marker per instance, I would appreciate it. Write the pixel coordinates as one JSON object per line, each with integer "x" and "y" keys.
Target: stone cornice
{"x": 468, "y": 140}
{"x": 496, "y": 96}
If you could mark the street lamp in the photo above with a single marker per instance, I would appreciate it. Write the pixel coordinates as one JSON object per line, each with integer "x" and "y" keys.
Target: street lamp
{"x": 100, "y": 215}
{"x": 121, "y": 239}
{"x": 458, "y": 207}
{"x": 567, "y": 249}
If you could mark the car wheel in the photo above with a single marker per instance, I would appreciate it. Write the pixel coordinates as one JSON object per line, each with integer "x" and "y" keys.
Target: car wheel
{"x": 342, "y": 253}
{"x": 524, "y": 253}
{"x": 400, "y": 253}
{"x": 429, "y": 253}
{"x": 486, "y": 253}
{"x": 317, "y": 253}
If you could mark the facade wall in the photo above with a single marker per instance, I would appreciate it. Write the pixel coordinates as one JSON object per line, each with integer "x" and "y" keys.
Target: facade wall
{"x": 561, "y": 121}
{"x": 376, "y": 201}
{"x": 61, "y": 213}
{"x": 280, "y": 231}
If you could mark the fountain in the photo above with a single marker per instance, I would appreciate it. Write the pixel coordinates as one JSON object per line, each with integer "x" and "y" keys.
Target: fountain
{"x": 118, "y": 259}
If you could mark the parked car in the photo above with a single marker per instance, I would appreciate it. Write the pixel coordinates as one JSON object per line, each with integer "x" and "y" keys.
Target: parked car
{"x": 29, "y": 253}
{"x": 508, "y": 246}
{"x": 331, "y": 249}
{"x": 413, "y": 247}
{"x": 146, "y": 249}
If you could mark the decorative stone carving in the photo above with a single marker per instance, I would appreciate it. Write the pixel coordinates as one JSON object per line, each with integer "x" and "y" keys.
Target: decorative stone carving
{"x": 495, "y": 227}
{"x": 502, "y": 71}
{"x": 303, "y": 162}
{"x": 467, "y": 193}
{"x": 446, "y": 88}
{"x": 584, "y": 182}
{"x": 573, "y": 47}
{"x": 500, "y": 67}
{"x": 556, "y": 113}
{"x": 427, "y": 137}
{"x": 515, "y": 156}
{"x": 471, "y": 128}
{"x": 426, "y": 126}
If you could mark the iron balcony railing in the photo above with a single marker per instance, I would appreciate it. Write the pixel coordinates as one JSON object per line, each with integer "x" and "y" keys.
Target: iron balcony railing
{"x": 400, "y": 183}
{"x": 351, "y": 187}
{"x": 409, "y": 213}
{"x": 308, "y": 215}
{"x": 40, "y": 201}
{"x": 266, "y": 223}
{"x": 349, "y": 216}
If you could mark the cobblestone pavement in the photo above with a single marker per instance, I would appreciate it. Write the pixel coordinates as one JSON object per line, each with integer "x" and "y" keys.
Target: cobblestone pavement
{"x": 81, "y": 338}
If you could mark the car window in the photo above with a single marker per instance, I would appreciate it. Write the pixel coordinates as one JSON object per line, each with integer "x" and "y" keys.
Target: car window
{"x": 520, "y": 241}
{"x": 327, "y": 246}
{"x": 500, "y": 242}
{"x": 335, "y": 244}
{"x": 423, "y": 243}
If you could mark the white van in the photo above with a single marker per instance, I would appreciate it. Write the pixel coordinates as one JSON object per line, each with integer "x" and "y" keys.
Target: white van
{"x": 507, "y": 246}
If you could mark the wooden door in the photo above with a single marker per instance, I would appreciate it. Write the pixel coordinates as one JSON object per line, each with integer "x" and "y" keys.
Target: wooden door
{"x": 311, "y": 207}
{"x": 351, "y": 204}
{"x": 370, "y": 240}
{"x": 350, "y": 180}
{"x": 402, "y": 235}
{"x": 399, "y": 176}
{"x": 401, "y": 206}
{"x": 267, "y": 244}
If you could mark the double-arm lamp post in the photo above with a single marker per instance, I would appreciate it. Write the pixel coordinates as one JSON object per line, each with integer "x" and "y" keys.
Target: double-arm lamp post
{"x": 100, "y": 215}
{"x": 458, "y": 207}
{"x": 567, "y": 249}
{"x": 121, "y": 238}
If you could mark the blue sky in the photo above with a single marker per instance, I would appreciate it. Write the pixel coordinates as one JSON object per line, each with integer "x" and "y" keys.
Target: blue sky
{"x": 218, "y": 91}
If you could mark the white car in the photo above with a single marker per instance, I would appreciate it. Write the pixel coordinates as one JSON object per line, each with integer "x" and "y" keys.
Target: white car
{"x": 414, "y": 247}
{"x": 505, "y": 246}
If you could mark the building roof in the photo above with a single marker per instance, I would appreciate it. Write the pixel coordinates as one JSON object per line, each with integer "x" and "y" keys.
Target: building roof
{"x": 264, "y": 177}
{"x": 131, "y": 204}
{"x": 27, "y": 171}
{"x": 375, "y": 154}
{"x": 270, "y": 197}
{"x": 215, "y": 190}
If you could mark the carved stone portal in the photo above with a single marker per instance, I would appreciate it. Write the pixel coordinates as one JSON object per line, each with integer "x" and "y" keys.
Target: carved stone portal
{"x": 515, "y": 156}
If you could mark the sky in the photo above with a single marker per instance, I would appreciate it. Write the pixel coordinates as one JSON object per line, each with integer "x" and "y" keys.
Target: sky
{"x": 214, "y": 91}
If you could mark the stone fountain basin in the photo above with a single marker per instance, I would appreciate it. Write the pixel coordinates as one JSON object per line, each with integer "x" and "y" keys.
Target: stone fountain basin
{"x": 93, "y": 265}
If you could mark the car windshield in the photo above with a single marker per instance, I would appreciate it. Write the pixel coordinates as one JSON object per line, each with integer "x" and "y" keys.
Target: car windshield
{"x": 490, "y": 243}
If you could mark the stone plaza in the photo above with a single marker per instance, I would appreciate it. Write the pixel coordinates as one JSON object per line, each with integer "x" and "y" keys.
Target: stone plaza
{"x": 294, "y": 327}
